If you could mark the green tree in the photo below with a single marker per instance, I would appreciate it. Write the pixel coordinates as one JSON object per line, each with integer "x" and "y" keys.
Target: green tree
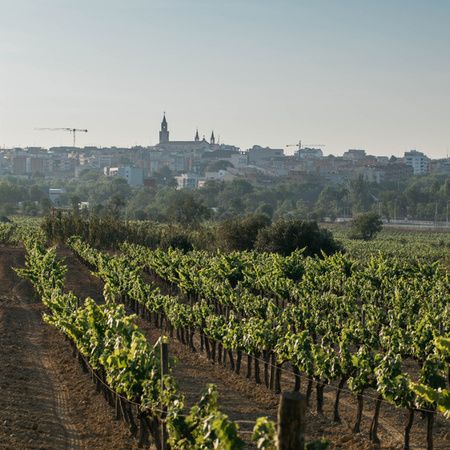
{"x": 116, "y": 205}
{"x": 182, "y": 207}
{"x": 164, "y": 177}
{"x": 332, "y": 201}
{"x": 366, "y": 226}
{"x": 221, "y": 164}
{"x": 75, "y": 203}
{"x": 46, "y": 205}
{"x": 360, "y": 197}
{"x": 139, "y": 201}
{"x": 241, "y": 234}
{"x": 232, "y": 198}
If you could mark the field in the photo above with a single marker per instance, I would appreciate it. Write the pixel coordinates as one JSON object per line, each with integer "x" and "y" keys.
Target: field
{"x": 426, "y": 245}
{"x": 65, "y": 410}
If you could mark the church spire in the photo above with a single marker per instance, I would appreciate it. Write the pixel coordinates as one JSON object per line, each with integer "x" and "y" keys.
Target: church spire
{"x": 164, "y": 133}
{"x": 213, "y": 139}
{"x": 197, "y": 137}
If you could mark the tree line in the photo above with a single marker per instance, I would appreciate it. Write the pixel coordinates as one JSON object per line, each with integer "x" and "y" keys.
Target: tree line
{"x": 416, "y": 198}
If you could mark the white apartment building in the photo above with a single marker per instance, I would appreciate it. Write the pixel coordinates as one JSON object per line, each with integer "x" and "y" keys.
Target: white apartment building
{"x": 418, "y": 161}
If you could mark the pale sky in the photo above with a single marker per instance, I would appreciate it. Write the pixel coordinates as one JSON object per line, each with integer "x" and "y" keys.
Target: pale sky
{"x": 344, "y": 73}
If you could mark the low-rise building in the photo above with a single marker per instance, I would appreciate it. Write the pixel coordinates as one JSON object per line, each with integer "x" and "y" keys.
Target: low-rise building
{"x": 260, "y": 155}
{"x": 370, "y": 174}
{"x": 188, "y": 181}
{"x": 221, "y": 175}
{"x": 309, "y": 153}
{"x": 354, "y": 154}
{"x": 134, "y": 176}
{"x": 440, "y": 166}
{"x": 19, "y": 164}
{"x": 397, "y": 170}
{"x": 55, "y": 196}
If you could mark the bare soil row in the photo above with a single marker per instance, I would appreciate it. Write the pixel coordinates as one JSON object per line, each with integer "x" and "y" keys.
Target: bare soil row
{"x": 46, "y": 401}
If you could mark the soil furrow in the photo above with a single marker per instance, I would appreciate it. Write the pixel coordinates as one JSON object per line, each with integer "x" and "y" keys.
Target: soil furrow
{"x": 47, "y": 402}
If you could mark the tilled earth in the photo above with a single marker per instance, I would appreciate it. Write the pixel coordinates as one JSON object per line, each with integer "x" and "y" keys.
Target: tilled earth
{"x": 46, "y": 401}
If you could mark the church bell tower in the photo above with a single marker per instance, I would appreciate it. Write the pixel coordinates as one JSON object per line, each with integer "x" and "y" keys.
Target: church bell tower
{"x": 164, "y": 133}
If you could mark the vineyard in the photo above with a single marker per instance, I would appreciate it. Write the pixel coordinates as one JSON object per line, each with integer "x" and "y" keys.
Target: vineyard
{"x": 328, "y": 320}
{"x": 426, "y": 246}
{"x": 20, "y": 228}
{"x": 371, "y": 328}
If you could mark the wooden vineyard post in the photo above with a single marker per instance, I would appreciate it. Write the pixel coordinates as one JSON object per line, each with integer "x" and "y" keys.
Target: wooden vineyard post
{"x": 164, "y": 371}
{"x": 291, "y": 421}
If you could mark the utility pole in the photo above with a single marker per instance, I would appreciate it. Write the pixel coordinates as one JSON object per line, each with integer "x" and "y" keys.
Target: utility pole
{"x": 447, "y": 212}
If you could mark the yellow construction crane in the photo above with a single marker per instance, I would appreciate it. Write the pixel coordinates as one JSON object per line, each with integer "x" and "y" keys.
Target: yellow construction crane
{"x": 74, "y": 131}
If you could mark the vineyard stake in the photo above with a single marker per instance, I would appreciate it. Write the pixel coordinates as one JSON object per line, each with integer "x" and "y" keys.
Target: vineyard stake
{"x": 291, "y": 421}
{"x": 164, "y": 371}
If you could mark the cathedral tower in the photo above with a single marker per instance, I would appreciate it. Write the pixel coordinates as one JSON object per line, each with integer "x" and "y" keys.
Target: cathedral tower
{"x": 164, "y": 133}
{"x": 213, "y": 139}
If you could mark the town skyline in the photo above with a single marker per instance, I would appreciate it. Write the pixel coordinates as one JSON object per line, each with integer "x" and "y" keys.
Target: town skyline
{"x": 65, "y": 140}
{"x": 370, "y": 75}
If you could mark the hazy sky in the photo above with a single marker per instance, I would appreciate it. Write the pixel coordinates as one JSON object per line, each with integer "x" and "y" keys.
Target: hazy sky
{"x": 348, "y": 74}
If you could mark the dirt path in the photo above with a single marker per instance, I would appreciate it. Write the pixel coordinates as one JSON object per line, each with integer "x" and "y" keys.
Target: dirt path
{"x": 47, "y": 402}
{"x": 244, "y": 401}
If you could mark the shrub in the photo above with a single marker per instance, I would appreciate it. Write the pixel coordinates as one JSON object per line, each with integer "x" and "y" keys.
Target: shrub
{"x": 287, "y": 235}
{"x": 178, "y": 240}
{"x": 366, "y": 226}
{"x": 241, "y": 234}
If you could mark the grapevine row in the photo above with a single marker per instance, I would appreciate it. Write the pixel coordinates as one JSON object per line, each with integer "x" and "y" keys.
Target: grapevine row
{"x": 362, "y": 352}
{"x": 122, "y": 359}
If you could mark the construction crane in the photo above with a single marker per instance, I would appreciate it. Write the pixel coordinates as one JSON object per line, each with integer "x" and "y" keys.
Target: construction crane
{"x": 299, "y": 145}
{"x": 74, "y": 131}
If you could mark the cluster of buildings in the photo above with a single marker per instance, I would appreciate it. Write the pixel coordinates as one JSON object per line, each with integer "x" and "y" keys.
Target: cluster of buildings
{"x": 196, "y": 161}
